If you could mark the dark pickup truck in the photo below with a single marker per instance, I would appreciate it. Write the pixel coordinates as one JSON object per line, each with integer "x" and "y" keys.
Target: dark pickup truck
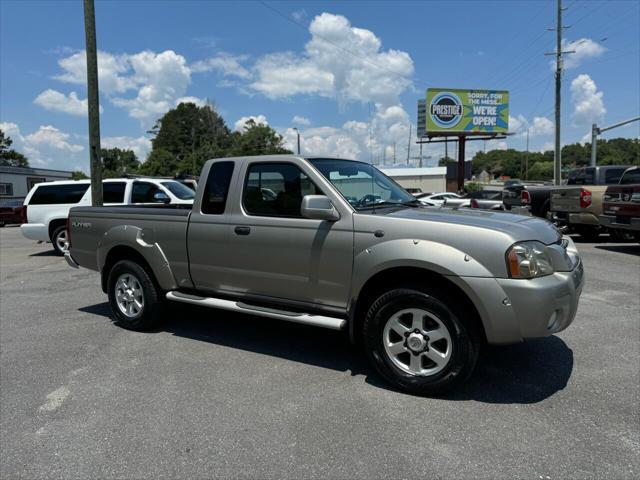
{"x": 527, "y": 199}
{"x": 621, "y": 204}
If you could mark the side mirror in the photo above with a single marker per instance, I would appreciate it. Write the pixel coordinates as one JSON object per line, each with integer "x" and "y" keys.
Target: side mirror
{"x": 161, "y": 197}
{"x": 318, "y": 207}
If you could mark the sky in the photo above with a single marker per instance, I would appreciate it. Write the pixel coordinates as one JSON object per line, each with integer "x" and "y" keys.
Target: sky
{"x": 346, "y": 74}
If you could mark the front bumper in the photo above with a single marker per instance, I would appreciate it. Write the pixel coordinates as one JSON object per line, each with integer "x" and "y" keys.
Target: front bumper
{"x": 35, "y": 231}
{"x": 610, "y": 221}
{"x": 513, "y": 310}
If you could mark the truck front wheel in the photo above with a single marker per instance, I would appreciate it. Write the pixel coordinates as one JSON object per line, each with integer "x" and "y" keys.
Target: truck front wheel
{"x": 133, "y": 296}
{"x": 418, "y": 342}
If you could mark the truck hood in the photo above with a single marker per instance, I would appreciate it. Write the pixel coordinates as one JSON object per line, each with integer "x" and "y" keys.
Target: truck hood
{"x": 518, "y": 227}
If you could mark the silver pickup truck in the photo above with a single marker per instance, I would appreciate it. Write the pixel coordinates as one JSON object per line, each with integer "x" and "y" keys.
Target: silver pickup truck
{"x": 337, "y": 244}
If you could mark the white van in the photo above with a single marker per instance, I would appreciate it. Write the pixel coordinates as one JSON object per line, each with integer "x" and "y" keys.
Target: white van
{"x": 46, "y": 207}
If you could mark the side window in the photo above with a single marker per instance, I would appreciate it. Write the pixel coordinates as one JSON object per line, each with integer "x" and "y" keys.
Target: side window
{"x": 612, "y": 175}
{"x": 143, "y": 192}
{"x": 58, "y": 194}
{"x": 217, "y": 188}
{"x": 113, "y": 192}
{"x": 276, "y": 190}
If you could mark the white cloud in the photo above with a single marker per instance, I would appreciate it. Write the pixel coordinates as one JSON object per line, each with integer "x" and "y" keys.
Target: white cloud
{"x": 340, "y": 61}
{"x": 159, "y": 78}
{"x": 140, "y": 145}
{"x": 298, "y": 120}
{"x": 113, "y": 71}
{"x": 547, "y": 146}
{"x": 258, "y": 119}
{"x": 541, "y": 126}
{"x": 46, "y": 147}
{"x": 55, "y": 101}
{"x": 518, "y": 124}
{"x": 587, "y": 100}
{"x": 225, "y": 63}
{"x": 584, "y": 48}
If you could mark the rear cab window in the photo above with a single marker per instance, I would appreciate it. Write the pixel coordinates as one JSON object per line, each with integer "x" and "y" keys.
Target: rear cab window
{"x": 58, "y": 194}
{"x": 632, "y": 176}
{"x": 216, "y": 191}
{"x": 613, "y": 175}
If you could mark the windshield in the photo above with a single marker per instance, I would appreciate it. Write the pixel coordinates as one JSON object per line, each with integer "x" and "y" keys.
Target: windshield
{"x": 179, "y": 190}
{"x": 361, "y": 184}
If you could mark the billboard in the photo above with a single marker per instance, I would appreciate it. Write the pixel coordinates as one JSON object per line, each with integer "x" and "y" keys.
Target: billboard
{"x": 467, "y": 111}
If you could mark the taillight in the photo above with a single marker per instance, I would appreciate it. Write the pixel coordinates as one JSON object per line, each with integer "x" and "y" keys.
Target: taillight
{"x": 525, "y": 197}
{"x": 68, "y": 228}
{"x": 585, "y": 198}
{"x": 23, "y": 214}
{"x": 474, "y": 203}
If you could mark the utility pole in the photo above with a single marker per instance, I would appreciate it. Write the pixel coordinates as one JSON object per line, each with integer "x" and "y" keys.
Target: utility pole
{"x": 93, "y": 102}
{"x": 298, "y": 133}
{"x": 595, "y": 131}
{"x": 526, "y": 159}
{"x": 409, "y": 145}
{"x": 557, "y": 173}
{"x": 420, "y": 154}
{"x": 394, "y": 153}
{"x": 384, "y": 156}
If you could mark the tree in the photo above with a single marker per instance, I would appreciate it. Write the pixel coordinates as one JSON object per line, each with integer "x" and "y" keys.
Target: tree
{"x": 8, "y": 156}
{"x": 190, "y": 135}
{"x": 160, "y": 162}
{"x": 257, "y": 139}
{"x": 444, "y": 160}
{"x": 117, "y": 162}
{"x": 78, "y": 175}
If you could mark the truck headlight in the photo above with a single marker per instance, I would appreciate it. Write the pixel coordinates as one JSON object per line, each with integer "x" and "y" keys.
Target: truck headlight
{"x": 528, "y": 260}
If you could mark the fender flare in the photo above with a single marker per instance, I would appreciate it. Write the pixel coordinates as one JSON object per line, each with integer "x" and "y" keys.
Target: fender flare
{"x": 142, "y": 242}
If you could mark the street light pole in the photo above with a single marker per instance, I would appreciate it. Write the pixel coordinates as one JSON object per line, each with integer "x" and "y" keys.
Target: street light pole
{"x": 298, "y": 133}
{"x": 595, "y": 131}
{"x": 93, "y": 104}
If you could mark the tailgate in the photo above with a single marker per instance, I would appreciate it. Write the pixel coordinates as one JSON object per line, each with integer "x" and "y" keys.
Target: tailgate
{"x": 566, "y": 199}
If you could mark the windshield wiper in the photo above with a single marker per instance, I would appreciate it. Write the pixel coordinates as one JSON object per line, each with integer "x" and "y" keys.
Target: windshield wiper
{"x": 410, "y": 203}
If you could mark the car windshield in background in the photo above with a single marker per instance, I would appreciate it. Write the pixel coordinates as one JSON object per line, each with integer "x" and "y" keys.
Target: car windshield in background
{"x": 361, "y": 184}
{"x": 179, "y": 190}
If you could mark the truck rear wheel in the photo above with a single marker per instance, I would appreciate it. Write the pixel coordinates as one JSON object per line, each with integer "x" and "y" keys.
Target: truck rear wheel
{"x": 418, "y": 341}
{"x": 133, "y": 296}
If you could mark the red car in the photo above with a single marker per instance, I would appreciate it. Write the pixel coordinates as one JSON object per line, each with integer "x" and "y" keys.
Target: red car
{"x": 621, "y": 204}
{"x": 10, "y": 211}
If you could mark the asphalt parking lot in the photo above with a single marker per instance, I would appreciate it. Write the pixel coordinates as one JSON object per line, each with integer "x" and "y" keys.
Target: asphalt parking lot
{"x": 213, "y": 394}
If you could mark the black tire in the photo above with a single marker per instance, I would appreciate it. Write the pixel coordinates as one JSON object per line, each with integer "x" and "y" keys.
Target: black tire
{"x": 588, "y": 234}
{"x": 621, "y": 235}
{"x": 59, "y": 231}
{"x": 150, "y": 315}
{"x": 465, "y": 340}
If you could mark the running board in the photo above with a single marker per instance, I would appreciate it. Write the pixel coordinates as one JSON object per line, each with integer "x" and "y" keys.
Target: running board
{"x": 306, "y": 318}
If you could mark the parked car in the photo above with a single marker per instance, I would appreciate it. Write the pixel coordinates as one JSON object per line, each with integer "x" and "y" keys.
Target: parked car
{"x": 578, "y": 204}
{"x": 414, "y": 191}
{"x": 436, "y": 199}
{"x": 621, "y": 205}
{"x": 482, "y": 199}
{"x": 527, "y": 199}
{"x": 422, "y": 288}
{"x": 10, "y": 211}
{"x": 47, "y": 205}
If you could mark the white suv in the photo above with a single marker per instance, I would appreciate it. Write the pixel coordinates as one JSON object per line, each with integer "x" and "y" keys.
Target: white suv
{"x": 46, "y": 207}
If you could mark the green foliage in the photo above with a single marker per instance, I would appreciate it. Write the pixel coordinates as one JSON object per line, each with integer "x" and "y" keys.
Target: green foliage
{"x": 187, "y": 136}
{"x": 257, "y": 139}
{"x": 8, "y": 156}
{"x": 117, "y": 162}
{"x": 78, "y": 175}
{"x": 511, "y": 163}
{"x": 160, "y": 162}
{"x": 444, "y": 160}
{"x": 471, "y": 187}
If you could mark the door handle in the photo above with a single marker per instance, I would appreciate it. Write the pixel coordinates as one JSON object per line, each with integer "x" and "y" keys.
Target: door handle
{"x": 242, "y": 230}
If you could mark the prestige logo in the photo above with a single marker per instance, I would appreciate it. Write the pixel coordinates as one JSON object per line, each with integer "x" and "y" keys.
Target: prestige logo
{"x": 446, "y": 109}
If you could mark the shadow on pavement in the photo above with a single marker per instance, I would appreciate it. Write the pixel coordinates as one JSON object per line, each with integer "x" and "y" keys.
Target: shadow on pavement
{"x": 524, "y": 373}
{"x": 628, "y": 249}
{"x": 46, "y": 253}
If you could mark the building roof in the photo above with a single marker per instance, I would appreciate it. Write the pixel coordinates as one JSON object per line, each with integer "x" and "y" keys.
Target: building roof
{"x": 415, "y": 172}
{"x": 33, "y": 171}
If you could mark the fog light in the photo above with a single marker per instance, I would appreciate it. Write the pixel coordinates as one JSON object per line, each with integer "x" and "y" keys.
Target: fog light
{"x": 551, "y": 324}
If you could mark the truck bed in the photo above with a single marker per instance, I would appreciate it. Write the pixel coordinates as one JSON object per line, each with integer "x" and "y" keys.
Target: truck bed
{"x": 162, "y": 230}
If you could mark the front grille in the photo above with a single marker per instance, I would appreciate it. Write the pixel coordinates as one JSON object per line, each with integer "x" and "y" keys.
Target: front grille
{"x": 623, "y": 220}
